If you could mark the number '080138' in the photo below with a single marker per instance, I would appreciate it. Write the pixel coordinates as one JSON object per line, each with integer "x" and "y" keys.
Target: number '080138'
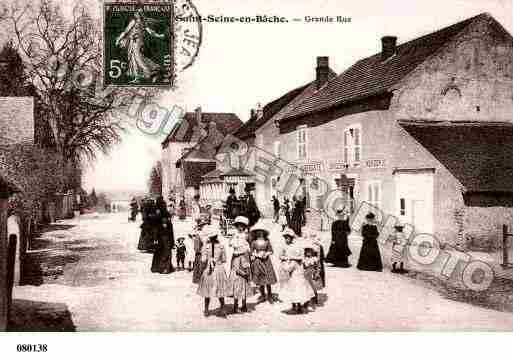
{"x": 34, "y": 348}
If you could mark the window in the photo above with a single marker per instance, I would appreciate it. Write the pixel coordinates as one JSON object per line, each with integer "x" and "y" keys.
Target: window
{"x": 374, "y": 193}
{"x": 353, "y": 145}
{"x": 302, "y": 143}
{"x": 402, "y": 207}
{"x": 277, "y": 149}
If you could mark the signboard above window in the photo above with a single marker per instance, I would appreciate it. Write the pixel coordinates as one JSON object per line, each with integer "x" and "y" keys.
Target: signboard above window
{"x": 375, "y": 163}
{"x": 306, "y": 168}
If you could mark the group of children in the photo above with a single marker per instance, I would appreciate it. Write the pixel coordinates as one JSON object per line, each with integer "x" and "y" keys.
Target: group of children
{"x": 301, "y": 271}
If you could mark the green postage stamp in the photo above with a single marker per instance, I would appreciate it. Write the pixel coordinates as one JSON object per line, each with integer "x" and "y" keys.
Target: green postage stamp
{"x": 138, "y": 44}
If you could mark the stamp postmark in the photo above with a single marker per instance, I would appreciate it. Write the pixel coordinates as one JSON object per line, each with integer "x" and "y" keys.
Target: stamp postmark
{"x": 139, "y": 44}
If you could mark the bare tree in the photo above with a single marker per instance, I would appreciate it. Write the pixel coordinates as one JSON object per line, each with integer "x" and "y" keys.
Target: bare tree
{"x": 63, "y": 59}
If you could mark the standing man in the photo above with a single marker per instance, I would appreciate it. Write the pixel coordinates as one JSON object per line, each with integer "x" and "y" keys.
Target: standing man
{"x": 230, "y": 204}
{"x": 134, "y": 209}
{"x": 195, "y": 210}
{"x": 276, "y": 207}
{"x": 252, "y": 212}
{"x": 297, "y": 216}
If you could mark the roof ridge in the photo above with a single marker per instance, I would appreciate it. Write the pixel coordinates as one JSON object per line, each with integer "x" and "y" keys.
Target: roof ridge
{"x": 369, "y": 75}
{"x": 433, "y": 33}
{"x": 315, "y": 92}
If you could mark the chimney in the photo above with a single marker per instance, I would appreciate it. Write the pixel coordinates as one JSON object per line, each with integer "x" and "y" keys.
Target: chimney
{"x": 388, "y": 47}
{"x": 322, "y": 70}
{"x": 197, "y": 112}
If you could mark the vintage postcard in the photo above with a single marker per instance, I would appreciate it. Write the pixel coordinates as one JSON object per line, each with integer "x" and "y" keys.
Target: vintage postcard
{"x": 226, "y": 166}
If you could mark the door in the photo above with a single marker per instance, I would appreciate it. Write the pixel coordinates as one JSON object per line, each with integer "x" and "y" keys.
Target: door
{"x": 414, "y": 199}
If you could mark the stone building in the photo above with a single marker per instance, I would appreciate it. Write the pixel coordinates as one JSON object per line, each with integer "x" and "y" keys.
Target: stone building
{"x": 263, "y": 132}
{"x": 187, "y": 152}
{"x": 420, "y": 130}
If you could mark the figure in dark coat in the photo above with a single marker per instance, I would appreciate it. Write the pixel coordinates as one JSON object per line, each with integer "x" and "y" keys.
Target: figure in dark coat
{"x": 303, "y": 210}
{"x": 287, "y": 210}
{"x": 230, "y": 204}
{"x": 296, "y": 221}
{"x": 276, "y": 207}
{"x": 165, "y": 241}
{"x": 252, "y": 212}
{"x": 182, "y": 210}
{"x": 339, "y": 248}
{"x": 370, "y": 257}
{"x": 134, "y": 209}
{"x": 148, "y": 236}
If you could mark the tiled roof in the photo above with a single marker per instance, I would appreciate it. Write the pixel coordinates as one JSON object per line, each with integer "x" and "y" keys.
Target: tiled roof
{"x": 213, "y": 174}
{"x": 247, "y": 130}
{"x": 274, "y": 110}
{"x": 373, "y": 76}
{"x": 188, "y": 128}
{"x": 478, "y": 154}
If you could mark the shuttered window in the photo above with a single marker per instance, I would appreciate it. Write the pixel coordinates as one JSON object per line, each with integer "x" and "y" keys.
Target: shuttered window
{"x": 302, "y": 143}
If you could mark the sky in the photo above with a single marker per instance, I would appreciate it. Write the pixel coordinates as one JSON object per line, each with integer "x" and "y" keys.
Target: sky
{"x": 240, "y": 65}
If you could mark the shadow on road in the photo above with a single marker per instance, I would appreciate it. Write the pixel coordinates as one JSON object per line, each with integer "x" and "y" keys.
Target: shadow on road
{"x": 33, "y": 316}
{"x": 499, "y": 296}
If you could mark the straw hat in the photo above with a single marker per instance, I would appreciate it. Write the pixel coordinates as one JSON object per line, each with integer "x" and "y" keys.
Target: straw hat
{"x": 210, "y": 231}
{"x": 370, "y": 216}
{"x": 289, "y": 232}
{"x": 259, "y": 226}
{"x": 241, "y": 220}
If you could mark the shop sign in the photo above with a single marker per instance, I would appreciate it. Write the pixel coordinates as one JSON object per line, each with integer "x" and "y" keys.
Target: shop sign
{"x": 375, "y": 163}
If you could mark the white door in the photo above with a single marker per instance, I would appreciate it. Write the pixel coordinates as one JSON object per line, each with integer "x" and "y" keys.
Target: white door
{"x": 414, "y": 199}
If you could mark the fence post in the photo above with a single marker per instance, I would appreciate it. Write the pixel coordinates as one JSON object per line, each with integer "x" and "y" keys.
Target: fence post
{"x": 505, "y": 259}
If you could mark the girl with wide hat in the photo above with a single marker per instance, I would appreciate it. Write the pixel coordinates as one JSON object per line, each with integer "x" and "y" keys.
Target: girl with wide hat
{"x": 288, "y": 236}
{"x": 239, "y": 278}
{"x": 314, "y": 265}
{"x": 296, "y": 289}
{"x": 198, "y": 240}
{"x": 399, "y": 242}
{"x": 213, "y": 282}
{"x": 370, "y": 256}
{"x": 262, "y": 270}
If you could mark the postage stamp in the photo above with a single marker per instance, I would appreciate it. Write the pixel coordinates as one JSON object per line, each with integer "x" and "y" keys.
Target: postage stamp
{"x": 138, "y": 44}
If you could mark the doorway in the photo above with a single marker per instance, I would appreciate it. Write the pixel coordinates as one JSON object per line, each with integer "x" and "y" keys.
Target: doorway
{"x": 414, "y": 198}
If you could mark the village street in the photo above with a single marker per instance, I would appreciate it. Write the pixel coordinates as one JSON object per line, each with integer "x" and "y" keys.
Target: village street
{"x": 101, "y": 282}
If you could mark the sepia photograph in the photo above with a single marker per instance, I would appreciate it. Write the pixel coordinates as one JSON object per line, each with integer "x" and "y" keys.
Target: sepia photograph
{"x": 193, "y": 166}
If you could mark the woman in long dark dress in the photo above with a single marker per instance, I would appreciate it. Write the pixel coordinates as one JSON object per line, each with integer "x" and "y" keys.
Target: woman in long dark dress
{"x": 339, "y": 249}
{"x": 165, "y": 242}
{"x": 148, "y": 234}
{"x": 253, "y": 213}
{"x": 370, "y": 257}
{"x": 297, "y": 217}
